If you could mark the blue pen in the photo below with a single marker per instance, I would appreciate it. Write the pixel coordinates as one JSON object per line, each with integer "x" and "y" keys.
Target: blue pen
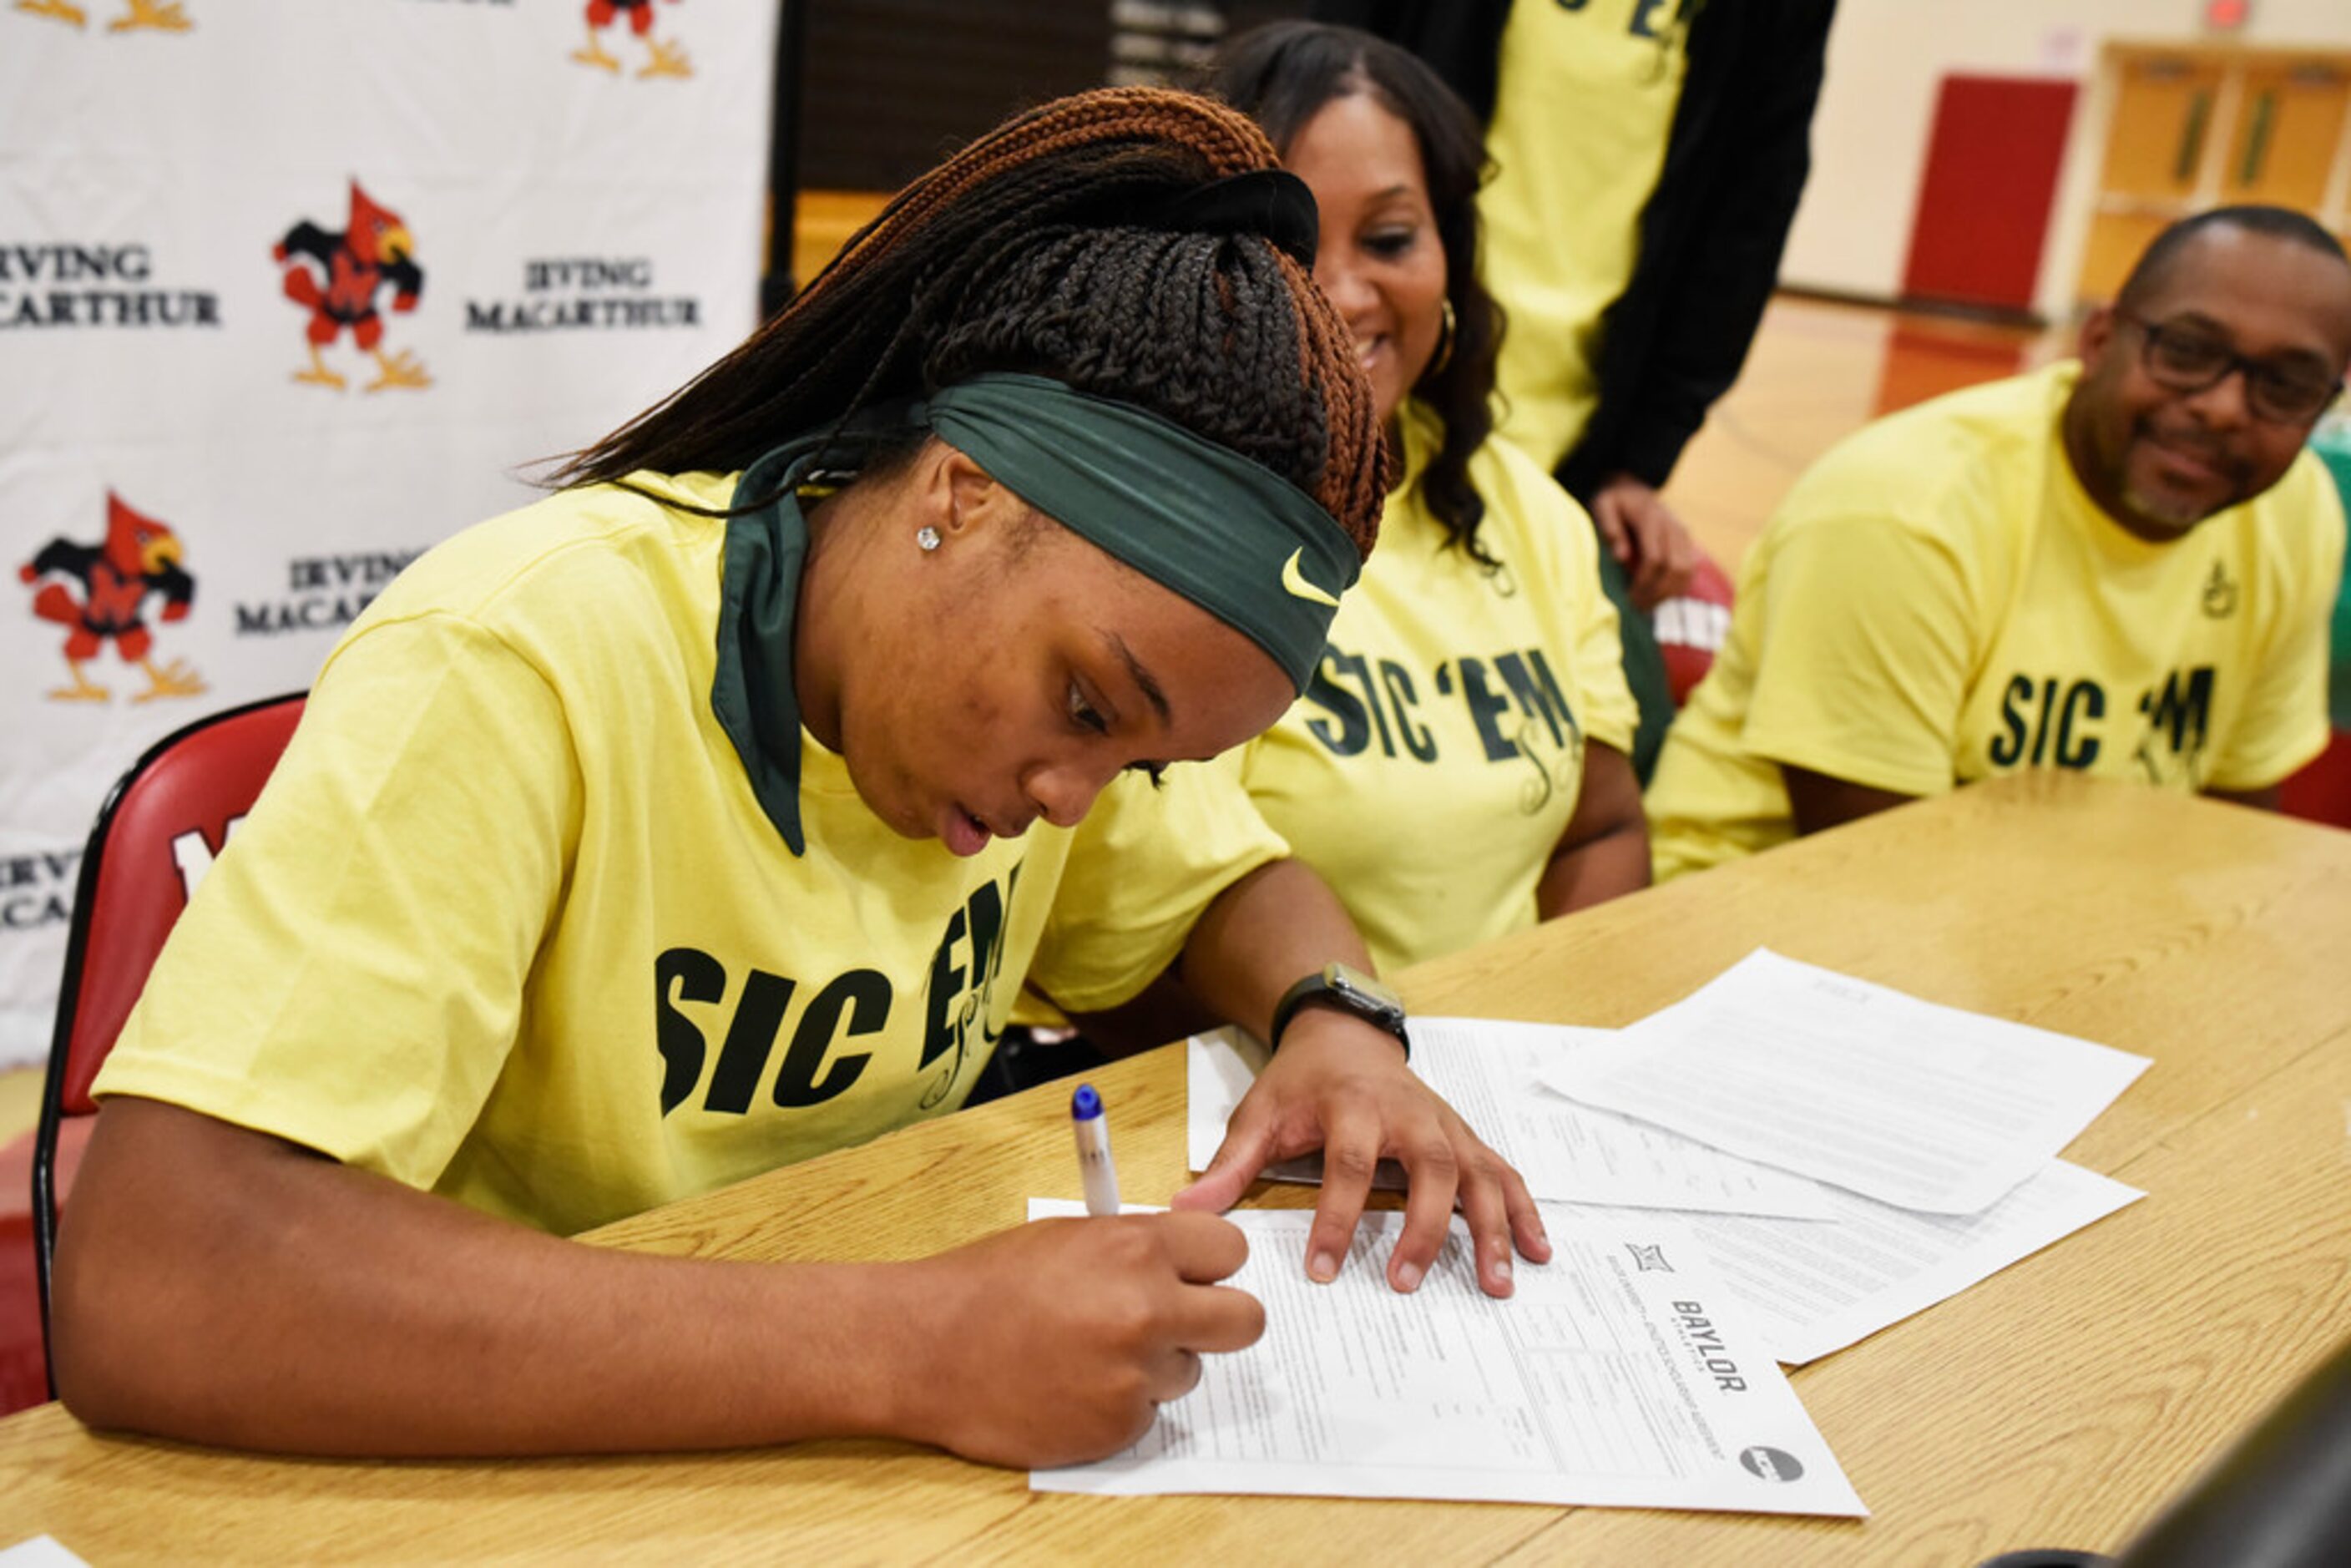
{"x": 1092, "y": 1130}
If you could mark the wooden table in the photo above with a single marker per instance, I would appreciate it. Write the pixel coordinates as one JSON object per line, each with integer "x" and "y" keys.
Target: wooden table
{"x": 2053, "y": 1404}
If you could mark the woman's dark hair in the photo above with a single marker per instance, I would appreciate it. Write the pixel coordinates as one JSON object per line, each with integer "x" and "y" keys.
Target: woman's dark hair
{"x": 1038, "y": 248}
{"x": 1281, "y": 75}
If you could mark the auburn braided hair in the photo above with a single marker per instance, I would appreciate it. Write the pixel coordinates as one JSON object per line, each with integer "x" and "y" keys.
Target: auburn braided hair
{"x": 1035, "y": 249}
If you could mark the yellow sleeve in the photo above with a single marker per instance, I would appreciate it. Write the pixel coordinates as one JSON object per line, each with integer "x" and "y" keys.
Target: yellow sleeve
{"x": 1142, "y": 867}
{"x": 2286, "y": 722}
{"x": 1866, "y": 655}
{"x": 350, "y": 972}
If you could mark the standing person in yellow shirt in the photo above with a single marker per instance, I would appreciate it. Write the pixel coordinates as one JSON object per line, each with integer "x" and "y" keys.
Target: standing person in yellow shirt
{"x": 2122, "y": 566}
{"x": 1648, "y": 156}
{"x": 689, "y": 822}
{"x": 1459, "y": 768}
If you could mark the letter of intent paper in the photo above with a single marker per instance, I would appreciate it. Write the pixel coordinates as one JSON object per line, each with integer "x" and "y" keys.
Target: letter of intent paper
{"x": 1620, "y": 1373}
{"x": 1913, "y": 1104}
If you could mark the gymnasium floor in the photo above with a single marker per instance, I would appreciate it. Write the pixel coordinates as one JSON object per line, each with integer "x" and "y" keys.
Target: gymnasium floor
{"x": 1817, "y": 371}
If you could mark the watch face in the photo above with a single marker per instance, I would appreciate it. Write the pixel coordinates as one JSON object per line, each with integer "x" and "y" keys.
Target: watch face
{"x": 1340, "y": 985}
{"x": 1362, "y": 989}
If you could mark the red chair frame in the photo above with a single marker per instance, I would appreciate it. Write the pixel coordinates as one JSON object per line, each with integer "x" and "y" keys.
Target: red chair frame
{"x": 130, "y": 891}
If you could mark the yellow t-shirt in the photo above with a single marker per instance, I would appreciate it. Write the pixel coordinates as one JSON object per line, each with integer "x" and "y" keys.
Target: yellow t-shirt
{"x": 1938, "y": 601}
{"x": 1582, "y": 111}
{"x": 1431, "y": 767}
{"x": 508, "y": 923}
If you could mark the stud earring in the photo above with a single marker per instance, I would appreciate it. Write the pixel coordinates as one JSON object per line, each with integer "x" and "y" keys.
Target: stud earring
{"x": 927, "y": 537}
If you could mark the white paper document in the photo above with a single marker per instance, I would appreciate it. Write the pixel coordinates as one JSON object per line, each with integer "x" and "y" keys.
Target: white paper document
{"x": 40, "y": 1552}
{"x": 1620, "y": 1373}
{"x": 1487, "y": 1069}
{"x": 1812, "y": 1288}
{"x": 1922, "y": 1107}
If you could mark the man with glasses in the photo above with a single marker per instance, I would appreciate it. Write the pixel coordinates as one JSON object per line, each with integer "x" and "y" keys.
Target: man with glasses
{"x": 2122, "y": 565}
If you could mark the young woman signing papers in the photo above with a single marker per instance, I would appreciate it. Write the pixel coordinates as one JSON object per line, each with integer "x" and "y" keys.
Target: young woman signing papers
{"x": 706, "y": 815}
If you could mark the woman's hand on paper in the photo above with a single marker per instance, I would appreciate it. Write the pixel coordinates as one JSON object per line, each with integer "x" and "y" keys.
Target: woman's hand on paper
{"x": 1340, "y": 1085}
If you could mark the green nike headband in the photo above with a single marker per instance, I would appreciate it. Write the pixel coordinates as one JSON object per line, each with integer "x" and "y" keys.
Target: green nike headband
{"x": 1232, "y": 536}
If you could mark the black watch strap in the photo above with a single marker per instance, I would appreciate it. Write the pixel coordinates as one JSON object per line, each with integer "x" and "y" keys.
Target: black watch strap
{"x": 1349, "y": 990}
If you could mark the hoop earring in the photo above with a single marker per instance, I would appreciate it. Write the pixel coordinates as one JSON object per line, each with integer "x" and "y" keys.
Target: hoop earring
{"x": 1444, "y": 355}
{"x": 927, "y": 537}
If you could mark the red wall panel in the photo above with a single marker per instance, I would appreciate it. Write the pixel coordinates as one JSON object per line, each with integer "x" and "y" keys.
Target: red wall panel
{"x": 1992, "y": 174}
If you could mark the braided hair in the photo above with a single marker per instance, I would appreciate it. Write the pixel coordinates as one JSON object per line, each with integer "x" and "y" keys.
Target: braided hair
{"x": 1035, "y": 249}
{"x": 1281, "y": 75}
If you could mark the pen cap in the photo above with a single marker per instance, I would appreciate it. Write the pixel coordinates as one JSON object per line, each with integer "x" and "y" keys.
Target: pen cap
{"x": 1085, "y": 1104}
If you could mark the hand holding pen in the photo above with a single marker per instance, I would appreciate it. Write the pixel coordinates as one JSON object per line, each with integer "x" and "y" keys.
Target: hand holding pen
{"x": 1055, "y": 1342}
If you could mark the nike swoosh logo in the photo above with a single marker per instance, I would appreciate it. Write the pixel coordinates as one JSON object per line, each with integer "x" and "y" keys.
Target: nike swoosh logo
{"x": 1294, "y": 583}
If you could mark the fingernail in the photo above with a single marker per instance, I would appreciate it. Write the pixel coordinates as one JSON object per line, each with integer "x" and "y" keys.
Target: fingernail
{"x": 1408, "y": 1277}
{"x": 1503, "y": 1269}
{"x": 1323, "y": 1267}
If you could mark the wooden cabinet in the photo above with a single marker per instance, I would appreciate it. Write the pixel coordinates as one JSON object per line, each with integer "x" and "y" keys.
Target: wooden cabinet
{"x": 2191, "y": 127}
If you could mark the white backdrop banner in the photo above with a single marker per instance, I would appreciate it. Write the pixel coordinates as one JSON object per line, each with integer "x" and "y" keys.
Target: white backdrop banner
{"x": 290, "y": 289}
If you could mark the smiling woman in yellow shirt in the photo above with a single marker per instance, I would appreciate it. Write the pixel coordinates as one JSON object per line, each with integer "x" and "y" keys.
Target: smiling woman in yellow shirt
{"x": 1457, "y": 769}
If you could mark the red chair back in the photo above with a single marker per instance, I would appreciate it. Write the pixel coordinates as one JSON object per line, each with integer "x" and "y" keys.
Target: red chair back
{"x": 158, "y": 833}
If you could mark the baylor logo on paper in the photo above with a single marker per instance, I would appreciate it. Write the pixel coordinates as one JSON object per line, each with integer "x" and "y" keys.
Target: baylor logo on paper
{"x": 828, "y": 1032}
{"x": 1771, "y": 1464}
{"x": 1703, "y": 1339}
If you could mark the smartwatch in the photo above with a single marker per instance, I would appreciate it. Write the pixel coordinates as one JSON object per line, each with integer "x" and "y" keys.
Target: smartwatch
{"x": 1350, "y": 990}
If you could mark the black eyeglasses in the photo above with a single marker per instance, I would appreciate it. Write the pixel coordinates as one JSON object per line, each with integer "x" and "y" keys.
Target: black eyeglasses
{"x": 2190, "y": 359}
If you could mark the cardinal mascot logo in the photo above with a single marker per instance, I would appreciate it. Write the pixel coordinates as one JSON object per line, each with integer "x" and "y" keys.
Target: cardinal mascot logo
{"x": 337, "y": 277}
{"x": 163, "y": 16}
{"x": 663, "y": 58}
{"x": 101, "y": 593}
